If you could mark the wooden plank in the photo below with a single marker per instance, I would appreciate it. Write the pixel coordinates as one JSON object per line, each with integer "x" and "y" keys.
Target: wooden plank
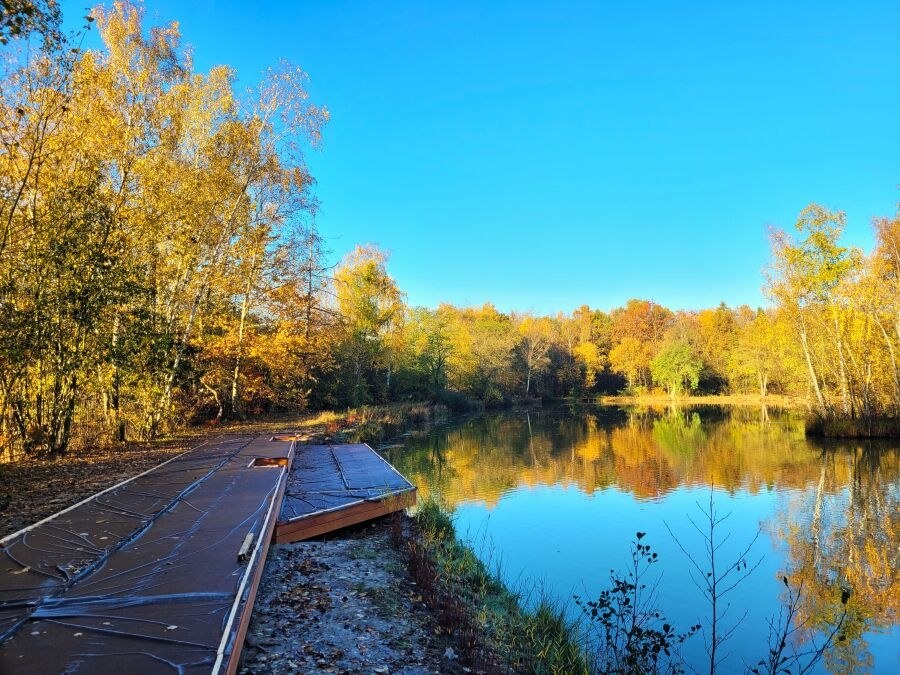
{"x": 351, "y": 517}
{"x": 334, "y": 513}
{"x": 344, "y": 517}
{"x": 324, "y": 523}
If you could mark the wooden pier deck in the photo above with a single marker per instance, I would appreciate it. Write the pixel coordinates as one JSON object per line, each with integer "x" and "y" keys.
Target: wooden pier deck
{"x": 159, "y": 573}
{"x": 145, "y": 577}
{"x": 334, "y": 486}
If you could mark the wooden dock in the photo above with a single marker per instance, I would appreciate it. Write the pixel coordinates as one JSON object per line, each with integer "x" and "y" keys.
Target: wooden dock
{"x": 334, "y": 486}
{"x": 159, "y": 573}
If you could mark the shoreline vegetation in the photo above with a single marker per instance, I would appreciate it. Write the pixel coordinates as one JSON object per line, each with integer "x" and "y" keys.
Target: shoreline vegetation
{"x": 377, "y": 424}
{"x": 493, "y": 629}
{"x": 665, "y": 400}
{"x": 853, "y": 427}
{"x": 498, "y": 629}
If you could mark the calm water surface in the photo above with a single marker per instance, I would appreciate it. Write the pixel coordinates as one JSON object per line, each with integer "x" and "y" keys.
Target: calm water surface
{"x": 555, "y": 497}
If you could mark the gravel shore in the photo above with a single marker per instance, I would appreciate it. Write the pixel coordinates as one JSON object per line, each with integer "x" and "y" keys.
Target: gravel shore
{"x": 343, "y": 605}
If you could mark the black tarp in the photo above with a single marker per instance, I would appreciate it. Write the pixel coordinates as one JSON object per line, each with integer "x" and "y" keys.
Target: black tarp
{"x": 143, "y": 578}
{"x": 327, "y": 477}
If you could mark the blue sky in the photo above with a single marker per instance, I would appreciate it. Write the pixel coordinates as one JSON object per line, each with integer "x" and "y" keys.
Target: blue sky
{"x": 545, "y": 155}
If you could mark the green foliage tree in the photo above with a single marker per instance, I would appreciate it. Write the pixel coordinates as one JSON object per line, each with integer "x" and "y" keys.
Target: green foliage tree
{"x": 677, "y": 367}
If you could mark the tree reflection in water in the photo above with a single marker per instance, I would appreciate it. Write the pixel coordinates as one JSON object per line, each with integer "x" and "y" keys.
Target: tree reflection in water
{"x": 830, "y": 510}
{"x": 843, "y": 534}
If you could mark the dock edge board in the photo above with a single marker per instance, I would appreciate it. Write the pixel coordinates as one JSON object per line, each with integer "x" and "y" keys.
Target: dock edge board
{"x": 323, "y": 522}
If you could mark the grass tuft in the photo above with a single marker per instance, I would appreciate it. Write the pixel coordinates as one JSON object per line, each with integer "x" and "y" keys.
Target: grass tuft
{"x": 493, "y": 630}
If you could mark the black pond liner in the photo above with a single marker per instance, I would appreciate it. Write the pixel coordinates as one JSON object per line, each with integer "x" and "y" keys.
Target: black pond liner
{"x": 144, "y": 576}
{"x": 329, "y": 477}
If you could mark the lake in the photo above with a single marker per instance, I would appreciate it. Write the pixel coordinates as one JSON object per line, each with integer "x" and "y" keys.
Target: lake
{"x": 555, "y": 497}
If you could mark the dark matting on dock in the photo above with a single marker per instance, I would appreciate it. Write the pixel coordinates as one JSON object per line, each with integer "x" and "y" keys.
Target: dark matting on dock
{"x": 145, "y": 577}
{"x": 333, "y": 486}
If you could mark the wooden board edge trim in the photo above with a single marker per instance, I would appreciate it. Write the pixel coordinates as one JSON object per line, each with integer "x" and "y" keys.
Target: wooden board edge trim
{"x": 341, "y": 507}
{"x": 298, "y": 530}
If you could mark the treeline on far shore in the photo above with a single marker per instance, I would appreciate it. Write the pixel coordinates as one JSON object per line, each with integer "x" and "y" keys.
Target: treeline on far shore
{"x": 160, "y": 266}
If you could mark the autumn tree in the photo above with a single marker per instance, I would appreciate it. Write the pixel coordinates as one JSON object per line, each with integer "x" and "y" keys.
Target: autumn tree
{"x": 805, "y": 279}
{"x": 481, "y": 362}
{"x": 299, "y": 342}
{"x": 642, "y": 320}
{"x": 20, "y": 18}
{"x": 163, "y": 189}
{"x": 631, "y": 358}
{"x": 881, "y": 297}
{"x": 756, "y": 354}
{"x": 535, "y": 336}
{"x": 371, "y": 310}
{"x": 637, "y": 329}
{"x": 717, "y": 337}
{"x": 585, "y": 338}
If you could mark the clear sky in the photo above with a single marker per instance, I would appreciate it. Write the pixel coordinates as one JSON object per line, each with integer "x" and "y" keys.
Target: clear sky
{"x": 542, "y": 155}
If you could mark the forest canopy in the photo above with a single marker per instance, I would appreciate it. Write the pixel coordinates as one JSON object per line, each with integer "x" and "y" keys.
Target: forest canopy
{"x": 160, "y": 265}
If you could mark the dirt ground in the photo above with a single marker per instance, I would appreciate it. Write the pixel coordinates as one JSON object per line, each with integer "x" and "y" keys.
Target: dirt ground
{"x": 343, "y": 605}
{"x": 34, "y": 488}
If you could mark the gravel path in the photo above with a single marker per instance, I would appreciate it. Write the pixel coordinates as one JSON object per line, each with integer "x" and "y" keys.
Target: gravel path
{"x": 345, "y": 605}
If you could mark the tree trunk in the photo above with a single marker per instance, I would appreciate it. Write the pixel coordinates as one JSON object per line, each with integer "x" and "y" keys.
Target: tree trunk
{"x": 816, "y": 524}
{"x": 890, "y": 346}
{"x": 814, "y": 380}
{"x": 216, "y": 398}
{"x": 115, "y": 396}
{"x": 846, "y": 405}
{"x": 225, "y": 231}
{"x": 762, "y": 379}
{"x": 245, "y": 307}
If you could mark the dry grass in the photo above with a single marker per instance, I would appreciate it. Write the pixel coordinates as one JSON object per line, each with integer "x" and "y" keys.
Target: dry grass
{"x": 858, "y": 427}
{"x": 664, "y": 400}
